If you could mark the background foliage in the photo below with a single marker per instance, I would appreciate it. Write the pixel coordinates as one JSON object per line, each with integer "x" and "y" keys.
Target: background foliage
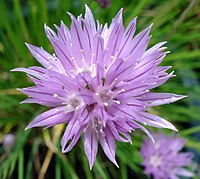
{"x": 37, "y": 152}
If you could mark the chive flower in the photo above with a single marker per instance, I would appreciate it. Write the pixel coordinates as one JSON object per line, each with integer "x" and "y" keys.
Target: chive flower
{"x": 98, "y": 83}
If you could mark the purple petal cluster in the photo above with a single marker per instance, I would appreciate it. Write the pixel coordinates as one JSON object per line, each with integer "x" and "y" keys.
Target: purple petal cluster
{"x": 163, "y": 159}
{"x": 98, "y": 83}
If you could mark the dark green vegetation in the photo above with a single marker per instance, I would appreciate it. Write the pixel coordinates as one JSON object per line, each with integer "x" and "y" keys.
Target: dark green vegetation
{"x": 37, "y": 151}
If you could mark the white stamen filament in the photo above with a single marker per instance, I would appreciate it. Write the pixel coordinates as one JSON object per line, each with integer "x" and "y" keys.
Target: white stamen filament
{"x": 117, "y": 101}
{"x": 113, "y": 58}
{"x": 106, "y": 104}
{"x": 121, "y": 91}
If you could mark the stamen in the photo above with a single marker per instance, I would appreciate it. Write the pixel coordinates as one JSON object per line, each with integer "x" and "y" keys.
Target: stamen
{"x": 55, "y": 95}
{"x": 121, "y": 91}
{"x": 106, "y": 104}
{"x": 113, "y": 58}
{"x": 117, "y": 101}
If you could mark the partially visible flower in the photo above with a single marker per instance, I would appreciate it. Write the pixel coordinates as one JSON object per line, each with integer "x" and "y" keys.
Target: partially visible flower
{"x": 98, "y": 83}
{"x": 163, "y": 159}
{"x": 9, "y": 141}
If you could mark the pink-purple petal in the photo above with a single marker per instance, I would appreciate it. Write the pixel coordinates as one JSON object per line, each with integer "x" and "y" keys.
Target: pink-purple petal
{"x": 108, "y": 145}
{"x": 155, "y": 99}
{"x": 90, "y": 145}
{"x": 52, "y": 117}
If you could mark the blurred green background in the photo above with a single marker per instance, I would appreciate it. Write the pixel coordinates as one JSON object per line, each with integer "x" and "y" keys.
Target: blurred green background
{"x": 36, "y": 153}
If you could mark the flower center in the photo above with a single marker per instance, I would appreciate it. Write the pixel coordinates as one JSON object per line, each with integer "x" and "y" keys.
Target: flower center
{"x": 104, "y": 96}
{"x": 155, "y": 160}
{"x": 74, "y": 102}
{"x": 71, "y": 103}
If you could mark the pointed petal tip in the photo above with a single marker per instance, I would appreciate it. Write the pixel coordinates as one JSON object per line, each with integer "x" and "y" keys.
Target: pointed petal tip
{"x": 86, "y": 7}
{"x": 91, "y": 165}
{"x": 175, "y": 129}
{"x": 26, "y": 128}
{"x": 12, "y": 70}
{"x": 56, "y": 26}
{"x": 179, "y": 97}
{"x": 45, "y": 27}
{"x": 116, "y": 164}
{"x": 121, "y": 10}
{"x": 172, "y": 127}
{"x": 63, "y": 150}
{"x": 27, "y": 44}
{"x": 183, "y": 96}
{"x": 149, "y": 27}
{"x": 19, "y": 89}
{"x": 16, "y": 69}
{"x": 29, "y": 126}
{"x": 70, "y": 14}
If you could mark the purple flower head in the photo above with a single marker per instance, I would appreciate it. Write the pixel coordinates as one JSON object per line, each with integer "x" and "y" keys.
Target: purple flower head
{"x": 9, "y": 141}
{"x": 98, "y": 83}
{"x": 163, "y": 159}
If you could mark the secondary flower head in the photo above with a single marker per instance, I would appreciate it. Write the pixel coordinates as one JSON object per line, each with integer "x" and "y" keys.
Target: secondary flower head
{"x": 98, "y": 82}
{"x": 9, "y": 141}
{"x": 163, "y": 159}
